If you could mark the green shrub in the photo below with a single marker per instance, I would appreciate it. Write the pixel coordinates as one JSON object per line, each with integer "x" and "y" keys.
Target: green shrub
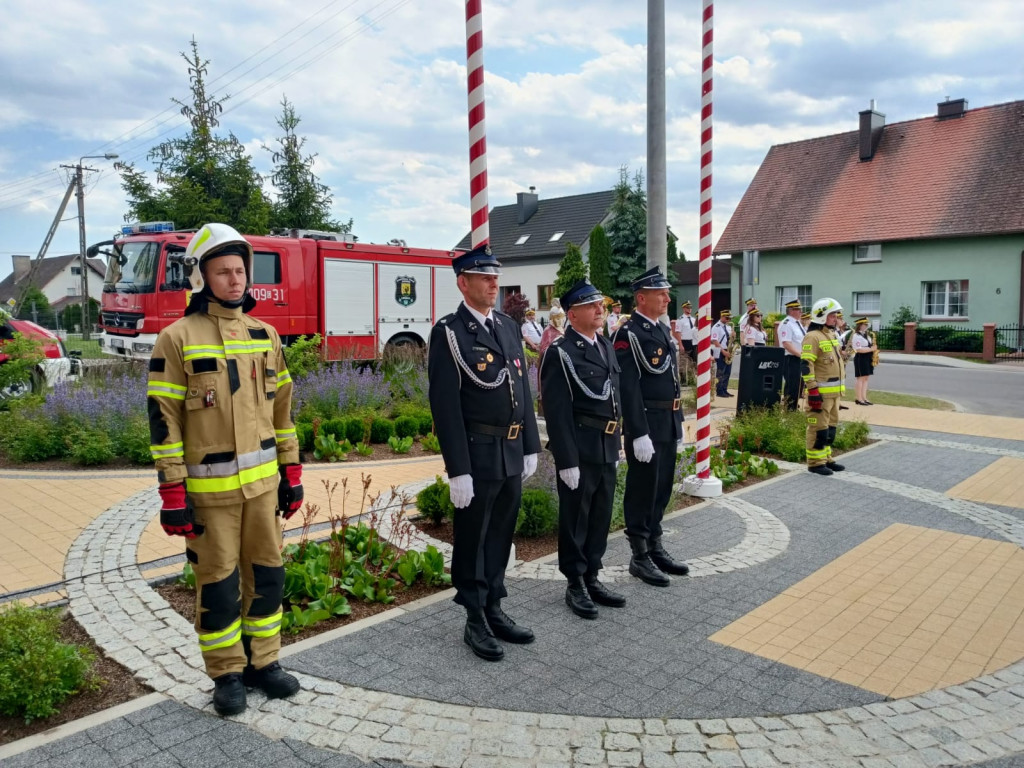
{"x": 355, "y": 429}
{"x": 26, "y": 436}
{"x": 407, "y": 426}
{"x": 426, "y": 424}
{"x": 776, "y": 431}
{"x": 435, "y": 501}
{"x": 37, "y": 671}
{"x": 335, "y": 427}
{"x": 91, "y": 447}
{"x": 400, "y": 444}
{"x": 850, "y": 435}
{"x": 133, "y": 441}
{"x": 304, "y": 434}
{"x": 381, "y": 430}
{"x": 618, "y": 508}
{"x": 430, "y": 443}
{"x": 326, "y": 448}
{"x": 364, "y": 449}
{"x": 538, "y": 513}
{"x": 303, "y": 356}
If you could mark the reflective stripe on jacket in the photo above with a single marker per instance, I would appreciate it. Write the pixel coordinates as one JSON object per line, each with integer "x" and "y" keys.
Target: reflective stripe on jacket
{"x": 220, "y": 406}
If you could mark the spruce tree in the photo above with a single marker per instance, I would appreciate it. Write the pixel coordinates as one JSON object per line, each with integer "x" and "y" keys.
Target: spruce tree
{"x": 600, "y": 260}
{"x": 627, "y": 233}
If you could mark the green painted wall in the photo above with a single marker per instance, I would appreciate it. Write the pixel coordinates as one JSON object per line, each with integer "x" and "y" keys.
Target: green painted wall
{"x": 991, "y": 264}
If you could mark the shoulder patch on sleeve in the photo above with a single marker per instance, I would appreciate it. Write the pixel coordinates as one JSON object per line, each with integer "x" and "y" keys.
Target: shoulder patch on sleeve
{"x": 157, "y": 364}
{"x": 258, "y": 333}
{"x": 621, "y": 345}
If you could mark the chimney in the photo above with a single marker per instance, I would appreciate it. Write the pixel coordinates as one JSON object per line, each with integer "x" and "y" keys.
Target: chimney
{"x": 955, "y": 108}
{"x": 871, "y": 124}
{"x": 526, "y": 205}
{"x": 22, "y": 266}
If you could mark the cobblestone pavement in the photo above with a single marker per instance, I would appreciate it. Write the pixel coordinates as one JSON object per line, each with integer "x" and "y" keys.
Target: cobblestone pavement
{"x": 640, "y": 686}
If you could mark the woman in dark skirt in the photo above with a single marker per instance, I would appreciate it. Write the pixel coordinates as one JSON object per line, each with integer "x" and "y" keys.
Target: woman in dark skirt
{"x": 864, "y": 349}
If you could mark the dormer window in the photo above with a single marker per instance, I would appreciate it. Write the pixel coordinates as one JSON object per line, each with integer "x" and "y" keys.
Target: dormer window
{"x": 522, "y": 240}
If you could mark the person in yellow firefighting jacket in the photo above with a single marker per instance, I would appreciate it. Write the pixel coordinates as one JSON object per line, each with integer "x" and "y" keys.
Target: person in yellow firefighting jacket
{"x": 219, "y": 399}
{"x": 822, "y": 366}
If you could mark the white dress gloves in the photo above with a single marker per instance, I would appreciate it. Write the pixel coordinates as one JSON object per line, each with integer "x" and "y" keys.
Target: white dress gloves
{"x": 461, "y": 490}
{"x": 571, "y": 477}
{"x": 529, "y": 465}
{"x": 643, "y": 449}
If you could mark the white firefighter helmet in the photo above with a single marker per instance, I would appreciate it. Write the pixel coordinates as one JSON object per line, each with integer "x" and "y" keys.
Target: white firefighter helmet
{"x": 823, "y": 308}
{"x": 210, "y": 241}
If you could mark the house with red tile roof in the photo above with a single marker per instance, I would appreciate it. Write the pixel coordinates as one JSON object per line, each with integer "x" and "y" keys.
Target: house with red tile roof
{"x": 927, "y": 213}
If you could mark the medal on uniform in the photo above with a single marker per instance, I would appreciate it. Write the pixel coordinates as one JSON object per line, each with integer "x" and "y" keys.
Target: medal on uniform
{"x": 490, "y": 358}
{"x": 481, "y": 366}
{"x": 654, "y": 360}
{"x": 518, "y": 367}
{"x": 659, "y": 350}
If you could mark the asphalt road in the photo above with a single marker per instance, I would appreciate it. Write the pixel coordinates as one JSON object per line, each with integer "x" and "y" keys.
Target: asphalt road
{"x": 997, "y": 390}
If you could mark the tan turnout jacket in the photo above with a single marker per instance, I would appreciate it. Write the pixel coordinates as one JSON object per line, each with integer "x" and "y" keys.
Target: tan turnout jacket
{"x": 822, "y": 362}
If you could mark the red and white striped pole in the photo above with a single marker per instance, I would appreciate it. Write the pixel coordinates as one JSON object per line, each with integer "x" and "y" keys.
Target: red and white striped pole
{"x": 702, "y": 483}
{"x": 479, "y": 225}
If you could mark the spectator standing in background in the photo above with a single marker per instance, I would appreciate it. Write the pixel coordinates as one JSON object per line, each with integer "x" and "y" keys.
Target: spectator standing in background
{"x": 753, "y": 333}
{"x": 531, "y": 331}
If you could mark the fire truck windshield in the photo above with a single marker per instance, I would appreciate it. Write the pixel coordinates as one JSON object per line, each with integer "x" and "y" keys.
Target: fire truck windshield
{"x": 132, "y": 268}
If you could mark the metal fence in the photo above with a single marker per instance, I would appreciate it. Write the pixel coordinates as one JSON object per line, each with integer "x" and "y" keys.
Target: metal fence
{"x": 1010, "y": 342}
{"x": 891, "y": 337}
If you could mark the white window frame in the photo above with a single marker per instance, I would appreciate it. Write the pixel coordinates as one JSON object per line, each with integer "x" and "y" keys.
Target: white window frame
{"x": 76, "y": 271}
{"x": 786, "y": 293}
{"x": 556, "y": 237}
{"x": 522, "y": 239}
{"x": 859, "y": 310}
{"x": 867, "y": 252}
{"x": 948, "y": 287}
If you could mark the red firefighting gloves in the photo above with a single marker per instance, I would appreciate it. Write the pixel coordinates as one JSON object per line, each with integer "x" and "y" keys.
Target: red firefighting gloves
{"x": 814, "y": 401}
{"x": 289, "y": 492}
{"x": 177, "y": 517}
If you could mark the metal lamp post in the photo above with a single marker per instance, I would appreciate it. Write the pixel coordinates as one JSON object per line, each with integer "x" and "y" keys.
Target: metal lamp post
{"x": 81, "y": 237}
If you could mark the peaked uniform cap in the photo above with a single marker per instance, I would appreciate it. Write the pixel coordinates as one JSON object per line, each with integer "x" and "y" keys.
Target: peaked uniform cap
{"x": 687, "y": 304}
{"x": 794, "y": 304}
{"x": 479, "y": 261}
{"x": 861, "y": 321}
{"x": 652, "y": 279}
{"x": 805, "y": 316}
{"x": 725, "y": 313}
{"x": 750, "y": 301}
{"x": 582, "y": 292}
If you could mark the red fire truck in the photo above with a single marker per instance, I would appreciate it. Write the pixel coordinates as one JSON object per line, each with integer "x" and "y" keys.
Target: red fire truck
{"x": 359, "y": 297}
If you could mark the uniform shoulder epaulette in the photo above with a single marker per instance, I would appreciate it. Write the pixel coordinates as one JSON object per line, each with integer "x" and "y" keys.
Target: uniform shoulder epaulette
{"x": 447, "y": 319}
{"x": 556, "y": 342}
{"x": 499, "y": 313}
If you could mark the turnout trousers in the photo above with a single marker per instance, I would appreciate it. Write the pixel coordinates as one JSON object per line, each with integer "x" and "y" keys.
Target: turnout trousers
{"x": 239, "y": 584}
{"x": 483, "y": 541}
{"x": 584, "y": 516}
{"x": 648, "y": 489}
{"x": 821, "y": 430}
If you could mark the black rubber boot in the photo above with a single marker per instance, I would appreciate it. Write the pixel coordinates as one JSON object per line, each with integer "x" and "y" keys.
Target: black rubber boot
{"x": 641, "y": 565}
{"x": 834, "y": 466}
{"x": 272, "y": 680}
{"x": 480, "y": 639}
{"x": 664, "y": 560}
{"x": 821, "y": 469}
{"x": 504, "y": 628}
{"x": 578, "y": 600}
{"x": 228, "y": 694}
{"x": 600, "y": 594}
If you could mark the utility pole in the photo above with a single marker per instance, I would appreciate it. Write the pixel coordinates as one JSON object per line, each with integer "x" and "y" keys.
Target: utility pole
{"x": 657, "y": 216}
{"x": 81, "y": 235}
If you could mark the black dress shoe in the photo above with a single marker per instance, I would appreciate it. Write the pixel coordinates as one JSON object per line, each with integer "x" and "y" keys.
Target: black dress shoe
{"x": 821, "y": 469}
{"x": 272, "y": 680}
{"x": 867, "y": 402}
{"x": 228, "y": 694}
{"x": 834, "y": 466}
{"x": 601, "y": 595}
{"x": 480, "y": 639}
{"x": 724, "y": 394}
{"x": 641, "y": 565}
{"x": 664, "y": 560}
{"x": 844, "y": 407}
{"x": 579, "y": 601}
{"x": 505, "y": 629}
{"x": 860, "y": 402}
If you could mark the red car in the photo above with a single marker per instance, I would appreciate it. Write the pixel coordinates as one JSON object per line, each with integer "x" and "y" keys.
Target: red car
{"x": 56, "y": 366}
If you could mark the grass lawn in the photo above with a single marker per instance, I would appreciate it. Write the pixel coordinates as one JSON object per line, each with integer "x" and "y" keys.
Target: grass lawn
{"x": 907, "y": 401}
{"x": 89, "y": 349}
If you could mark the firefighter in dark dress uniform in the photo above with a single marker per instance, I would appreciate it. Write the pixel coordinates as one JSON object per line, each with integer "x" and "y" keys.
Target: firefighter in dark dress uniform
{"x": 580, "y": 389}
{"x": 483, "y": 413}
{"x": 653, "y": 426}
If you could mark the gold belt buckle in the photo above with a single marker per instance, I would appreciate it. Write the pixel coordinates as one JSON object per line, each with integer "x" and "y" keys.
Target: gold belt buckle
{"x": 611, "y": 427}
{"x": 675, "y": 404}
{"x": 513, "y": 432}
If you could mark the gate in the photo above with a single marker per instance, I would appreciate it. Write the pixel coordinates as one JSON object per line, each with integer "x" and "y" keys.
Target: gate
{"x": 1010, "y": 342}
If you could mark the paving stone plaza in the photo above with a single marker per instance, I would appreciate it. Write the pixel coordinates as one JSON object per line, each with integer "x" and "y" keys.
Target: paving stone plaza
{"x": 875, "y": 618}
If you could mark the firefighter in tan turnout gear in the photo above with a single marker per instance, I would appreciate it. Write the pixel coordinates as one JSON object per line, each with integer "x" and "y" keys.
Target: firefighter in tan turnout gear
{"x": 822, "y": 367}
{"x": 225, "y": 448}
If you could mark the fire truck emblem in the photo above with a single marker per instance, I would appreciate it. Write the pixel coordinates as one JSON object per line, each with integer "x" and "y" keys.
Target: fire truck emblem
{"x": 405, "y": 290}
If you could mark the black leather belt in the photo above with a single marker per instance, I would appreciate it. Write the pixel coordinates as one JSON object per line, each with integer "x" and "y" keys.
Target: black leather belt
{"x": 663, "y": 405}
{"x": 609, "y": 427}
{"x": 510, "y": 432}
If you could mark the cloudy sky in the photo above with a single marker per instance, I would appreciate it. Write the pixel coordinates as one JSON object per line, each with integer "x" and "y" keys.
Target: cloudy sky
{"x": 380, "y": 87}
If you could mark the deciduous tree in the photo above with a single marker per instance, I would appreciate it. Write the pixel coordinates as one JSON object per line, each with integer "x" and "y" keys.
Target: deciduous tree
{"x": 570, "y": 270}
{"x": 600, "y": 260}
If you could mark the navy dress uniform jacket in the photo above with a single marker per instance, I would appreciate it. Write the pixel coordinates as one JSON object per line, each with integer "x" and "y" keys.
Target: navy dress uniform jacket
{"x": 639, "y": 384}
{"x": 457, "y": 402}
{"x": 571, "y": 440}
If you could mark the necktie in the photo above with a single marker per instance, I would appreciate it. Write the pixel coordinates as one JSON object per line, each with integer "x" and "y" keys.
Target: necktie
{"x": 490, "y": 325}
{"x": 600, "y": 351}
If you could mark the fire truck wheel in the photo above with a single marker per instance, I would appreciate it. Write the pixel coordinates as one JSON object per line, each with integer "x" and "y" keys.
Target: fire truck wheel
{"x": 403, "y": 353}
